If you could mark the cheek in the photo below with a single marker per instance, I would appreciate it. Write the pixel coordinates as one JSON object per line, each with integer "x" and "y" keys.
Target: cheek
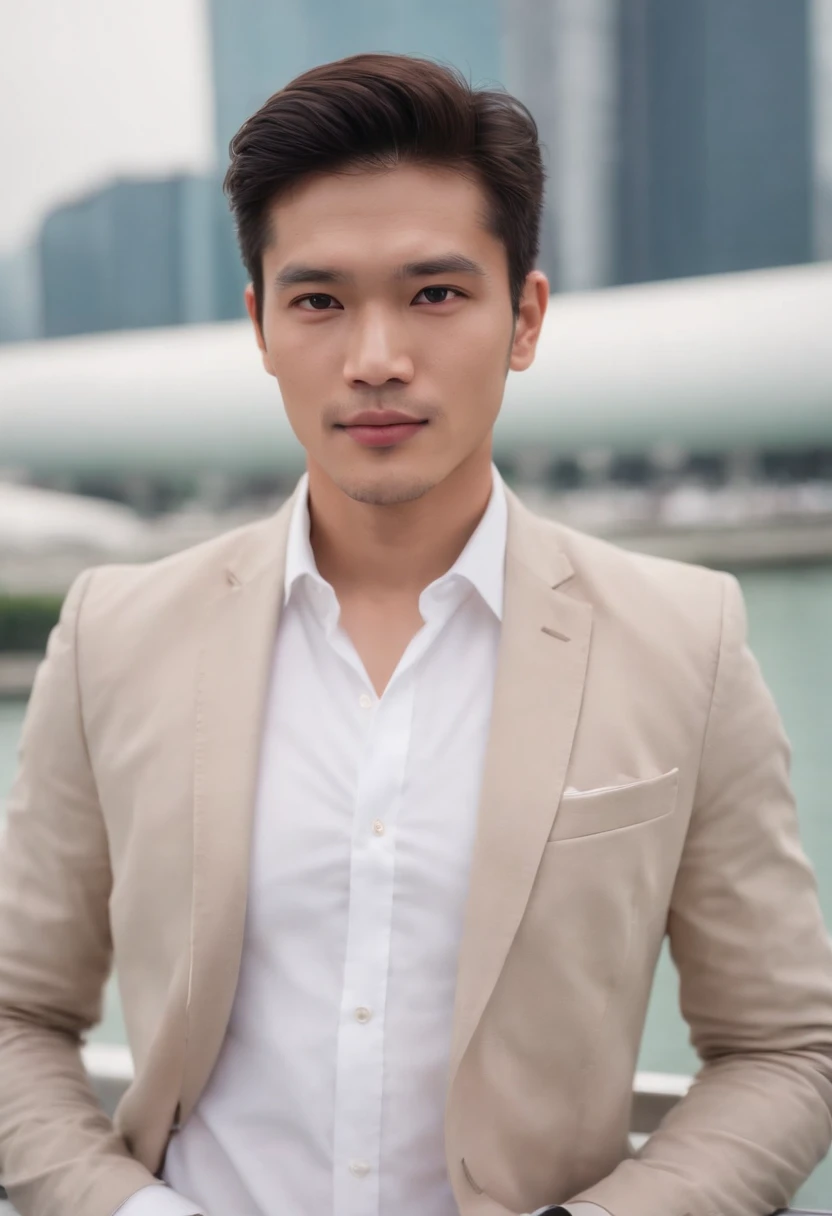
{"x": 301, "y": 377}
{"x": 471, "y": 369}
{"x": 289, "y": 347}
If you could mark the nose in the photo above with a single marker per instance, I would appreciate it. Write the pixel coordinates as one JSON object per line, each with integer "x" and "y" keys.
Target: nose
{"x": 377, "y": 353}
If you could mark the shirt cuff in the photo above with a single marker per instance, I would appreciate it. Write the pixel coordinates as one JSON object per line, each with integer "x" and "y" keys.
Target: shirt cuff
{"x": 159, "y": 1201}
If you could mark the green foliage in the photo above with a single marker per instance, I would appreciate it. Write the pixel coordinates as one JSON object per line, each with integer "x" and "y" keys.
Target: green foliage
{"x": 26, "y": 621}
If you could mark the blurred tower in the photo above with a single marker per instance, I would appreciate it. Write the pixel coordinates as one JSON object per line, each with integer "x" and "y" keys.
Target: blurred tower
{"x": 821, "y": 41}
{"x": 134, "y": 253}
{"x": 260, "y": 45}
{"x": 20, "y": 311}
{"x": 715, "y": 156}
{"x": 560, "y": 59}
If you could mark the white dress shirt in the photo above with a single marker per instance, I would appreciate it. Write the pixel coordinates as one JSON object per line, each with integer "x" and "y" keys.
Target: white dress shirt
{"x": 328, "y": 1095}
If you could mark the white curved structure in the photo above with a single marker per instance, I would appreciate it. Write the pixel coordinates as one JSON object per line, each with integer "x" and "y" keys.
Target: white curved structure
{"x": 34, "y": 522}
{"x": 711, "y": 364}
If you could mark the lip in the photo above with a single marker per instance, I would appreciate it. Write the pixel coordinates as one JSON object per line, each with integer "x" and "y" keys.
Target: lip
{"x": 381, "y": 428}
{"x": 381, "y": 418}
{"x": 383, "y": 436}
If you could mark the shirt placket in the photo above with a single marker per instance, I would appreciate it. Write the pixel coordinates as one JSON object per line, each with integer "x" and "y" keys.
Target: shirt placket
{"x": 360, "y": 1047}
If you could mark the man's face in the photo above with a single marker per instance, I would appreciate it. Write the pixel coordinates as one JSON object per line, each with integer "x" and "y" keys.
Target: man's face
{"x": 387, "y": 322}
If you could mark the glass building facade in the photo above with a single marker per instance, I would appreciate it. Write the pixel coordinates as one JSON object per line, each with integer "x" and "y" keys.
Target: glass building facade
{"x": 682, "y": 136}
{"x": 714, "y": 153}
{"x": 135, "y": 253}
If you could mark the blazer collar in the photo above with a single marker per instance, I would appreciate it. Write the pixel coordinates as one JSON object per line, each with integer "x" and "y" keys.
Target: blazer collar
{"x": 531, "y": 541}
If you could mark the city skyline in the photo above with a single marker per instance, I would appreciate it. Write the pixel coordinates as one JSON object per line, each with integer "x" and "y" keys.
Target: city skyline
{"x": 679, "y": 139}
{"x": 171, "y": 128}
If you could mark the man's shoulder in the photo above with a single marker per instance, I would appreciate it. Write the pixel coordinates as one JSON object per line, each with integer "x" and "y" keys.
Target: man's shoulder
{"x": 117, "y": 594}
{"x": 606, "y": 570}
{"x": 649, "y": 613}
{"x": 654, "y": 619}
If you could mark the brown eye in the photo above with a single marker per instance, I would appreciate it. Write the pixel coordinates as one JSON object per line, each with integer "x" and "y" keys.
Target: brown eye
{"x": 435, "y": 295}
{"x": 316, "y": 303}
{"x": 439, "y": 295}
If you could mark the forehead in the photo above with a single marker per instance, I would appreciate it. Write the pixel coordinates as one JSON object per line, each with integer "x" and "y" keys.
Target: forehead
{"x": 370, "y": 216}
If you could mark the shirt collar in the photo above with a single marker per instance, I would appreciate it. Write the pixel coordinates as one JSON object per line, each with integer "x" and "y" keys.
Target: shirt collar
{"x": 481, "y": 562}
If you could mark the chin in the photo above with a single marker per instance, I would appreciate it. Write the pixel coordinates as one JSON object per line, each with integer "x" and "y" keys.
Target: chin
{"x": 386, "y": 490}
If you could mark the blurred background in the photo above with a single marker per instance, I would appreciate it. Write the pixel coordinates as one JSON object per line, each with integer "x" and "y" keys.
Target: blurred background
{"x": 681, "y": 402}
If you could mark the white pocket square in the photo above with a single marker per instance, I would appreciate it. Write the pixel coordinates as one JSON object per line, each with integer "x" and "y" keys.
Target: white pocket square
{"x": 572, "y": 792}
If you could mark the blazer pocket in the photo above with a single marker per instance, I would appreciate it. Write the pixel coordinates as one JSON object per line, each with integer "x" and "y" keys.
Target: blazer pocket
{"x": 593, "y": 812}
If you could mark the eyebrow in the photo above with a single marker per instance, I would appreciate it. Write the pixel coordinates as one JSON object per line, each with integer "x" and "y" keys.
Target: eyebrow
{"x": 295, "y": 273}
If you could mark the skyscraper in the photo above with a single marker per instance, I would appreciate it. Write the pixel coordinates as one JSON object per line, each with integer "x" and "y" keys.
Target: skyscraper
{"x": 134, "y": 253}
{"x": 714, "y": 150}
{"x": 821, "y": 40}
{"x": 560, "y": 58}
{"x": 259, "y": 45}
{"x": 19, "y": 295}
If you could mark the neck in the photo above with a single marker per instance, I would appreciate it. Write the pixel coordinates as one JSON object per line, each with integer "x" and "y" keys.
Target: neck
{"x": 400, "y": 549}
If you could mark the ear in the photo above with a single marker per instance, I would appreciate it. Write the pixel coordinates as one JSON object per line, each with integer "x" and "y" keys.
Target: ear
{"x": 529, "y": 323}
{"x": 251, "y": 309}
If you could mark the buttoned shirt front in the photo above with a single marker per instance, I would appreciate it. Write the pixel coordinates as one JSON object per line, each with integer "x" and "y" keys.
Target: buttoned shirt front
{"x": 329, "y": 1092}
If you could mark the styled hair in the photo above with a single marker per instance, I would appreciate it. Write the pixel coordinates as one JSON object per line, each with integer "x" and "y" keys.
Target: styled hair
{"x": 377, "y": 111}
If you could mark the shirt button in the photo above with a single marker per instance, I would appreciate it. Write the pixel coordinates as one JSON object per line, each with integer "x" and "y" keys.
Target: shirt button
{"x": 359, "y": 1169}
{"x": 378, "y": 827}
{"x": 362, "y": 1014}
{"x": 365, "y": 701}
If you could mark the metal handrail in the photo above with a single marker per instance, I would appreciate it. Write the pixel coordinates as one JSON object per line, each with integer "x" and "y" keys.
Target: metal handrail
{"x": 110, "y": 1069}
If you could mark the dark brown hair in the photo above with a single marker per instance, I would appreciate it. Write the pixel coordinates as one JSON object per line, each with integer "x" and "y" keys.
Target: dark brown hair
{"x": 378, "y": 111}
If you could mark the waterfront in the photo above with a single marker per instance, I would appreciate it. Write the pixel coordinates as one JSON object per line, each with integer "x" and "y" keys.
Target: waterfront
{"x": 790, "y": 613}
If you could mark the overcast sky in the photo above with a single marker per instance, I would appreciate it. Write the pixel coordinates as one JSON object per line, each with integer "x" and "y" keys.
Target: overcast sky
{"x": 91, "y": 88}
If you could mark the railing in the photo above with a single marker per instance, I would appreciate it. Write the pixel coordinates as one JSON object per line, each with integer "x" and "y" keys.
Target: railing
{"x": 655, "y": 1093}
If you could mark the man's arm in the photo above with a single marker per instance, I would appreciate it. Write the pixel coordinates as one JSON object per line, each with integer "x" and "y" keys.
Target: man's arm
{"x": 755, "y": 965}
{"x": 59, "y": 1153}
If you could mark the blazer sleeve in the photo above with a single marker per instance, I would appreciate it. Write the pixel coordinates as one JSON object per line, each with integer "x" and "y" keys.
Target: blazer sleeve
{"x": 755, "y": 967}
{"x": 59, "y": 1152}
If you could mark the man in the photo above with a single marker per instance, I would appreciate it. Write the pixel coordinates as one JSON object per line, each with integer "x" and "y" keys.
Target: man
{"x": 383, "y": 806}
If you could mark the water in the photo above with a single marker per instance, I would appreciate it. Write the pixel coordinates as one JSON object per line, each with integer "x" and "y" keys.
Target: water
{"x": 790, "y": 615}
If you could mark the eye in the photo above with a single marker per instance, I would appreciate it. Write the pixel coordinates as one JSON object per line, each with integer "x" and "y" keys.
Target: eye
{"x": 316, "y": 303}
{"x": 439, "y": 295}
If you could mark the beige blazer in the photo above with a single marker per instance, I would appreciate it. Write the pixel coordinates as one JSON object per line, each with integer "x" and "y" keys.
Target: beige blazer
{"x": 620, "y": 676}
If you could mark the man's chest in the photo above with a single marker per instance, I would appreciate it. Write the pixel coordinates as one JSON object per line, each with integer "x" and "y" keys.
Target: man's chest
{"x": 352, "y": 786}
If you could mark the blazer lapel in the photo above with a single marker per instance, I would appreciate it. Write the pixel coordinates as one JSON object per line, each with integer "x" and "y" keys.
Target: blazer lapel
{"x": 233, "y": 677}
{"x": 540, "y": 677}
{"x": 541, "y": 669}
